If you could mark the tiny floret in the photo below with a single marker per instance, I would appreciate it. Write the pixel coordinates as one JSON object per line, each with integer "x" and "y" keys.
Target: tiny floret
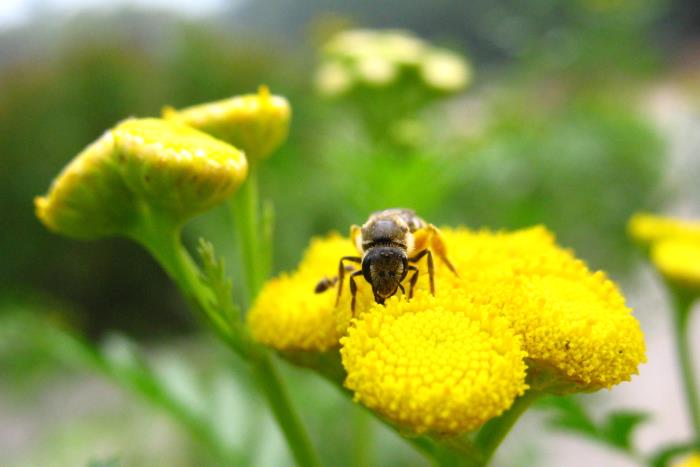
{"x": 256, "y": 123}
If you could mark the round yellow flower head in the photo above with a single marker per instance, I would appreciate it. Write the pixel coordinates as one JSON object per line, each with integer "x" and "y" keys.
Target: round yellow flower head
{"x": 678, "y": 260}
{"x": 288, "y": 314}
{"x": 573, "y": 322}
{"x": 141, "y": 164}
{"x": 256, "y": 123}
{"x": 434, "y": 364}
{"x": 648, "y": 228}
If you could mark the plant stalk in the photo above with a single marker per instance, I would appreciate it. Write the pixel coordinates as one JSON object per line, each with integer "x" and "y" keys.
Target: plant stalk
{"x": 161, "y": 237}
{"x": 245, "y": 213}
{"x": 682, "y": 306}
{"x": 288, "y": 420}
{"x": 494, "y": 431}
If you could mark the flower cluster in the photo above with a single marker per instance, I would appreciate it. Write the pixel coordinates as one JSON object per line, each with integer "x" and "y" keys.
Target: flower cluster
{"x": 447, "y": 363}
{"x": 375, "y": 59}
{"x": 674, "y": 247}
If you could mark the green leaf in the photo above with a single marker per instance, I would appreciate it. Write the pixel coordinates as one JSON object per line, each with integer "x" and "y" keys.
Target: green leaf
{"x": 569, "y": 415}
{"x": 618, "y": 427}
{"x": 268, "y": 231}
{"x": 215, "y": 278}
{"x": 615, "y": 429}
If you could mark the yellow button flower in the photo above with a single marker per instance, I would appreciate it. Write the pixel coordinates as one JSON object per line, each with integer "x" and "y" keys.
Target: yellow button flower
{"x": 256, "y": 123}
{"x": 572, "y": 321}
{"x": 438, "y": 364}
{"x": 449, "y": 362}
{"x": 140, "y": 165}
{"x": 288, "y": 315}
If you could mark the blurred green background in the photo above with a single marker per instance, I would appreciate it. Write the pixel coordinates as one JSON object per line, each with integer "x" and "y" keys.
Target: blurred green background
{"x": 556, "y": 128}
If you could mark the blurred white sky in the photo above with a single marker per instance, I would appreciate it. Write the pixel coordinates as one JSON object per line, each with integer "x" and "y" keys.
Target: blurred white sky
{"x": 18, "y": 12}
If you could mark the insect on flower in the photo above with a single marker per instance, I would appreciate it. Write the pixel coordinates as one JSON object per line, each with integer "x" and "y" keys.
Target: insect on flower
{"x": 388, "y": 242}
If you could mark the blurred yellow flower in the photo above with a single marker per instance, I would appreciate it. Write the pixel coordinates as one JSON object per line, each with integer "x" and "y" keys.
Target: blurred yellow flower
{"x": 140, "y": 165}
{"x": 440, "y": 364}
{"x": 256, "y": 123}
{"x": 648, "y": 228}
{"x": 678, "y": 260}
{"x": 674, "y": 247}
{"x": 691, "y": 461}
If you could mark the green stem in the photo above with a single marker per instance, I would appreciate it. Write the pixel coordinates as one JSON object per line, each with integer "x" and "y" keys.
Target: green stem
{"x": 288, "y": 420}
{"x": 161, "y": 236}
{"x": 682, "y": 305}
{"x": 494, "y": 432}
{"x": 361, "y": 438}
{"x": 245, "y": 212}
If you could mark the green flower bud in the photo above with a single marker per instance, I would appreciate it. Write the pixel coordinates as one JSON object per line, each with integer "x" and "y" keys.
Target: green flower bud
{"x": 256, "y": 123}
{"x": 138, "y": 167}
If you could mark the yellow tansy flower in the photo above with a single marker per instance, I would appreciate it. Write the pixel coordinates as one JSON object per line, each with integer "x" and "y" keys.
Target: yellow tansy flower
{"x": 437, "y": 364}
{"x": 517, "y": 294}
{"x": 288, "y": 315}
{"x": 572, "y": 321}
{"x": 648, "y": 228}
{"x": 678, "y": 259}
{"x": 256, "y": 123}
{"x": 140, "y": 165}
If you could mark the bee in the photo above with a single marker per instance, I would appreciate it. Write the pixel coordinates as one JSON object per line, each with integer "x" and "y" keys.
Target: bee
{"x": 389, "y": 241}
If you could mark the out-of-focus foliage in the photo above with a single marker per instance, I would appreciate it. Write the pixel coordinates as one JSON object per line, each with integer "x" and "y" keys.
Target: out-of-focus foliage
{"x": 549, "y": 132}
{"x": 533, "y": 141}
{"x": 188, "y": 404}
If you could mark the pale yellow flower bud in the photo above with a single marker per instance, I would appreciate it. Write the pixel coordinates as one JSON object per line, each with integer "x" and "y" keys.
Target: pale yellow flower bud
{"x": 140, "y": 165}
{"x": 255, "y": 123}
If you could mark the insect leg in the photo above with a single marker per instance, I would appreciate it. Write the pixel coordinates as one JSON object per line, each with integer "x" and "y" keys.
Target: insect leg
{"x": 431, "y": 271}
{"x": 341, "y": 273}
{"x": 438, "y": 245}
{"x": 328, "y": 282}
{"x": 414, "y": 279}
{"x": 353, "y": 289}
